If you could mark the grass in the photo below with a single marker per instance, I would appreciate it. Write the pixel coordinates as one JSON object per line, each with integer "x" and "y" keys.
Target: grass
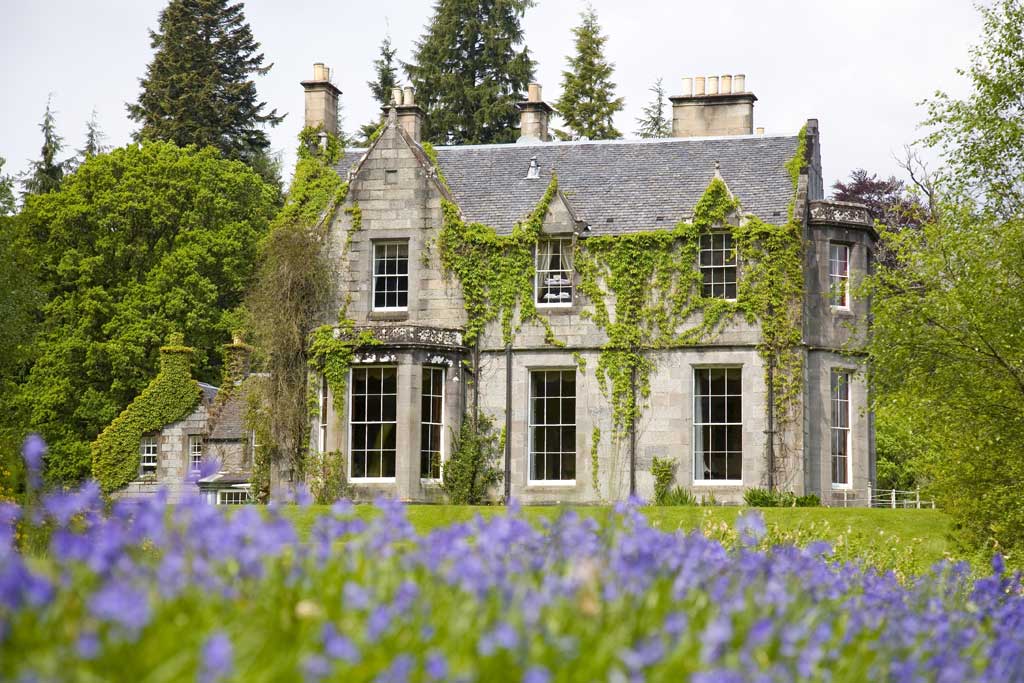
{"x": 875, "y": 530}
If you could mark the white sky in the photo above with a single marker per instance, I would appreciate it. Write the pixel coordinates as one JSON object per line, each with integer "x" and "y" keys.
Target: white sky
{"x": 858, "y": 66}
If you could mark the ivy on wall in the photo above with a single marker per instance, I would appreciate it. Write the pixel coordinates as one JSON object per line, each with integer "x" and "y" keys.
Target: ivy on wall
{"x": 331, "y": 352}
{"x": 495, "y": 271}
{"x": 171, "y": 396}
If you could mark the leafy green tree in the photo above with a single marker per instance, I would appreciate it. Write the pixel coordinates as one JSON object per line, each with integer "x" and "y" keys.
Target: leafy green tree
{"x": 94, "y": 138}
{"x": 655, "y": 123}
{"x": 46, "y": 174}
{"x": 947, "y": 355}
{"x": 981, "y": 137}
{"x": 588, "y": 101}
{"x": 198, "y": 90}
{"x": 470, "y": 71}
{"x": 380, "y": 87}
{"x": 136, "y": 244}
{"x": 7, "y": 205}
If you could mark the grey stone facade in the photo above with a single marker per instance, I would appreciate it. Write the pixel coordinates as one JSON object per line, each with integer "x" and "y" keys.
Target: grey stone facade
{"x": 399, "y": 195}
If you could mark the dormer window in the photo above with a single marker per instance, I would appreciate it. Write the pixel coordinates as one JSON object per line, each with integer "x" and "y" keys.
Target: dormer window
{"x": 553, "y": 284}
{"x": 390, "y": 276}
{"x": 718, "y": 265}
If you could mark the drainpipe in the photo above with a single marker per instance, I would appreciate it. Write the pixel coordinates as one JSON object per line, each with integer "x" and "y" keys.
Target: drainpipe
{"x": 508, "y": 422}
{"x": 632, "y": 432}
{"x": 771, "y": 422}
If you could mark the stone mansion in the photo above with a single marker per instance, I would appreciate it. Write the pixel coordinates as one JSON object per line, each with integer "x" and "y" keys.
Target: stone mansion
{"x": 708, "y": 402}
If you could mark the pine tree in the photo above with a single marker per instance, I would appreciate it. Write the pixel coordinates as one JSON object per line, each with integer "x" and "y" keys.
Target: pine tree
{"x": 46, "y": 174}
{"x": 94, "y": 138}
{"x": 380, "y": 87}
{"x": 198, "y": 89}
{"x": 588, "y": 100}
{"x": 470, "y": 71}
{"x": 654, "y": 123}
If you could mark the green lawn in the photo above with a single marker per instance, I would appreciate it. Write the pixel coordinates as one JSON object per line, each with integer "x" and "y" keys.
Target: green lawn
{"x": 919, "y": 537}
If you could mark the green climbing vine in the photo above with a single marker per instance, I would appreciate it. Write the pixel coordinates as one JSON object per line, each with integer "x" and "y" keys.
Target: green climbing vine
{"x": 595, "y": 442}
{"x": 331, "y": 352}
{"x": 495, "y": 271}
{"x": 171, "y": 396}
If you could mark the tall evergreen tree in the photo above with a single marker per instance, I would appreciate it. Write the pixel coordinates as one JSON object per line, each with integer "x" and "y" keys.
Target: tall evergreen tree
{"x": 46, "y": 174}
{"x": 588, "y": 100}
{"x": 94, "y": 138}
{"x": 199, "y": 89}
{"x": 654, "y": 123}
{"x": 380, "y": 87}
{"x": 470, "y": 71}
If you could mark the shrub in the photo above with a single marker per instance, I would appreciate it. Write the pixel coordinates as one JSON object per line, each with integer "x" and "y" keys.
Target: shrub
{"x": 763, "y": 498}
{"x": 328, "y": 481}
{"x": 664, "y": 471}
{"x": 679, "y": 496}
{"x": 759, "y": 498}
{"x": 809, "y": 501}
{"x": 473, "y": 467}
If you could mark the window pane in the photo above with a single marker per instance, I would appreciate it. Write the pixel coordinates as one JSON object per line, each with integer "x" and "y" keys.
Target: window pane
{"x": 373, "y": 426}
{"x": 390, "y": 275}
{"x": 718, "y": 424}
{"x": 553, "y": 425}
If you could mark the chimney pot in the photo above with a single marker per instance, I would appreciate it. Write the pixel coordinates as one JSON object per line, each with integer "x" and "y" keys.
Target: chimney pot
{"x": 396, "y": 96}
{"x": 408, "y": 96}
{"x": 717, "y": 105}
{"x": 321, "y": 72}
{"x": 533, "y": 93}
{"x": 534, "y": 114}
{"x": 760, "y": 130}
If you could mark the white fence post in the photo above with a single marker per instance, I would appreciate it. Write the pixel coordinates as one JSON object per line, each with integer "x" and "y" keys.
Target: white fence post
{"x": 917, "y": 496}
{"x": 892, "y": 497}
{"x": 870, "y": 501}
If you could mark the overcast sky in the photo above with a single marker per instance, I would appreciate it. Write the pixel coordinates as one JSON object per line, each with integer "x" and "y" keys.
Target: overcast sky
{"x": 858, "y": 66}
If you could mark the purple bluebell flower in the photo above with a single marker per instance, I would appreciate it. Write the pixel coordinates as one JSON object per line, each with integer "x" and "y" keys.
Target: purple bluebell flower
{"x": 998, "y": 564}
{"x": 437, "y": 666}
{"x": 536, "y": 674}
{"x": 751, "y": 527}
{"x": 32, "y": 450}
{"x": 217, "y": 660}
{"x": 87, "y": 646}
{"x": 119, "y": 603}
{"x": 503, "y": 637}
{"x": 315, "y": 668}
{"x": 399, "y": 671}
{"x": 338, "y": 646}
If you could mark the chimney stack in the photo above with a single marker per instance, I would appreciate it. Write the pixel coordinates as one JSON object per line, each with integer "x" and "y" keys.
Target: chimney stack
{"x": 726, "y": 108}
{"x": 408, "y": 114}
{"x": 236, "y": 360}
{"x": 321, "y": 100}
{"x": 533, "y": 116}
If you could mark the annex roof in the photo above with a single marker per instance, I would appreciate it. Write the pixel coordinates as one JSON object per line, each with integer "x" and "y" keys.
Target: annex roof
{"x": 617, "y": 185}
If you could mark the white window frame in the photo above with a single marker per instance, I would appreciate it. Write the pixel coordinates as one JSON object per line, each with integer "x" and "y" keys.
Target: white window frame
{"x": 839, "y": 282}
{"x": 436, "y": 425}
{"x": 532, "y": 425}
{"x": 352, "y": 424}
{"x": 380, "y": 278}
{"x": 242, "y": 496}
{"x": 543, "y": 273}
{"x": 148, "y": 467}
{"x": 322, "y": 408}
{"x": 839, "y": 405}
{"x": 697, "y": 426}
{"x": 195, "y": 453}
{"x": 724, "y": 267}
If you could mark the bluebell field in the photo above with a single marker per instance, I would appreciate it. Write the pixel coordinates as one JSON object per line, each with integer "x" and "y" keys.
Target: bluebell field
{"x": 150, "y": 592}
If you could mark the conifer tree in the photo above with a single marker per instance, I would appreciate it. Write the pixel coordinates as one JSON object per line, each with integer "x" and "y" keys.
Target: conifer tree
{"x": 470, "y": 69}
{"x": 94, "y": 138}
{"x": 588, "y": 100}
{"x": 199, "y": 89}
{"x": 46, "y": 174}
{"x": 654, "y": 123}
{"x": 380, "y": 87}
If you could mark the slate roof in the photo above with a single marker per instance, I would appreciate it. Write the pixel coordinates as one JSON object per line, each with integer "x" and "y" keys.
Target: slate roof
{"x": 617, "y": 186}
{"x": 228, "y": 423}
{"x": 209, "y": 392}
